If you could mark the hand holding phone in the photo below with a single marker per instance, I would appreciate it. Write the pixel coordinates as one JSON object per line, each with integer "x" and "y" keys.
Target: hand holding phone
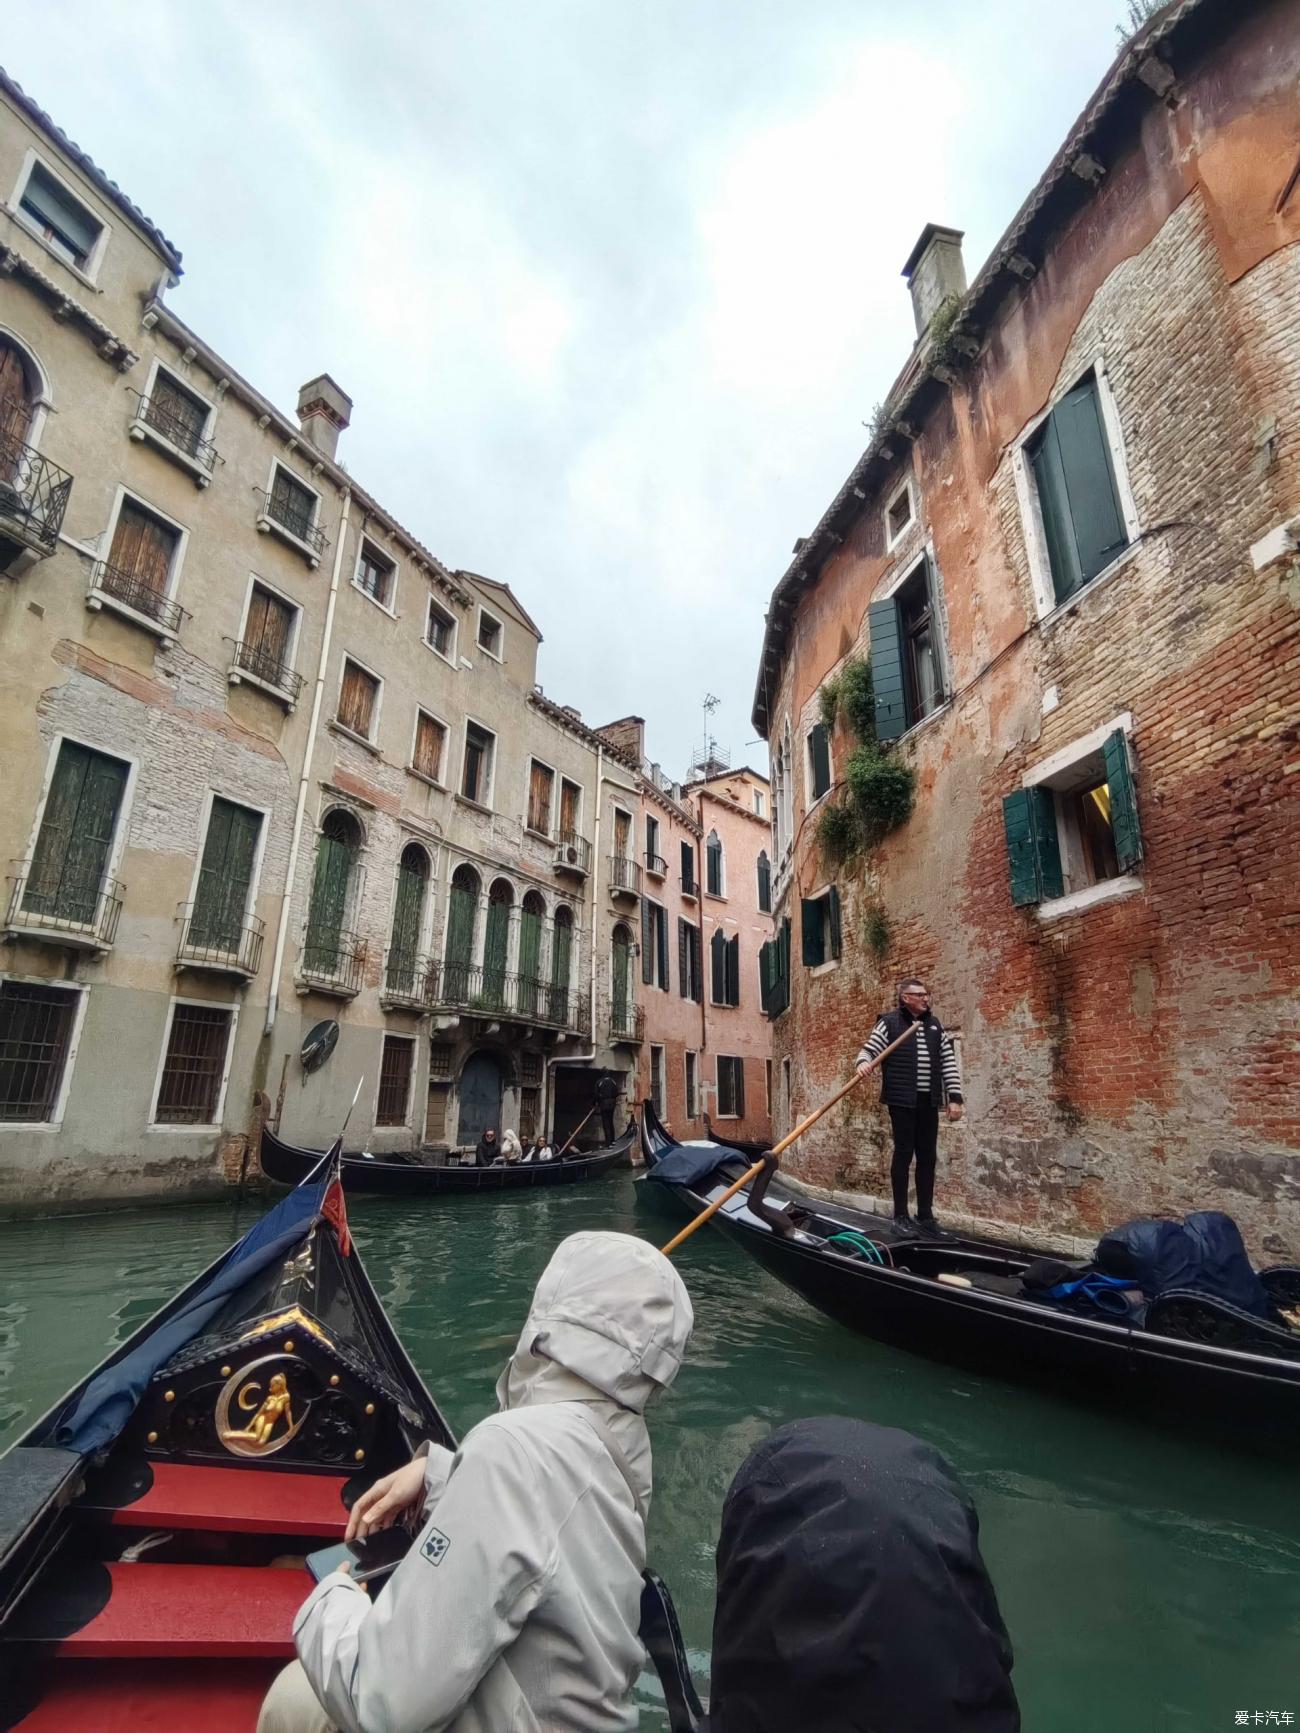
{"x": 373, "y": 1557}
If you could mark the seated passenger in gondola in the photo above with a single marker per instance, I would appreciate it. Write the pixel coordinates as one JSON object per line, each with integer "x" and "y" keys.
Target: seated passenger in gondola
{"x": 511, "y": 1148}
{"x": 488, "y": 1150}
{"x": 851, "y": 1592}
{"x": 519, "y": 1602}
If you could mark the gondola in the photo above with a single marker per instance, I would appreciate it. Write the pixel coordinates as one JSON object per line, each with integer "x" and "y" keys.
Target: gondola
{"x": 388, "y": 1176}
{"x": 153, "y": 1523}
{"x": 1195, "y": 1361}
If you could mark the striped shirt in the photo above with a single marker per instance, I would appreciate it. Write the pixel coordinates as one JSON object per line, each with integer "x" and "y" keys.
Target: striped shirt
{"x": 878, "y": 1040}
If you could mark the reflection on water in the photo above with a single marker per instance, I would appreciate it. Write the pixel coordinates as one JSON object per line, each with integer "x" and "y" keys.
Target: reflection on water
{"x": 1149, "y": 1582}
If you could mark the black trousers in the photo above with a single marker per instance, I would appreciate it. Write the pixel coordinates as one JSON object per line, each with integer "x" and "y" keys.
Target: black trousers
{"x": 916, "y": 1133}
{"x": 607, "y": 1122}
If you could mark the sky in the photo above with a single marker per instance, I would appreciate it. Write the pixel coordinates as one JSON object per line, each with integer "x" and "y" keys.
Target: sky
{"x": 614, "y": 286}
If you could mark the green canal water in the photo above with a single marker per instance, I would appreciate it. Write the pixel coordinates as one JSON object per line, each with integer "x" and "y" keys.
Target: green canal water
{"x": 1150, "y": 1583}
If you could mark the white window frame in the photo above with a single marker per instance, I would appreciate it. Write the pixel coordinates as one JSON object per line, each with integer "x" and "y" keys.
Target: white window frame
{"x": 486, "y": 613}
{"x": 813, "y": 801}
{"x": 736, "y": 1059}
{"x": 691, "y": 1082}
{"x": 269, "y": 525}
{"x": 1047, "y": 773}
{"x": 242, "y": 676}
{"x": 664, "y": 986}
{"x": 615, "y": 808}
{"x": 411, "y": 1040}
{"x": 372, "y": 739}
{"x": 60, "y": 1104}
{"x": 1031, "y": 515}
{"x": 659, "y": 1099}
{"x": 145, "y": 432}
{"x": 719, "y": 896}
{"x": 390, "y": 606}
{"x": 899, "y": 580}
{"x": 758, "y": 803}
{"x": 118, "y": 848}
{"x": 88, "y": 273}
{"x": 423, "y": 775}
{"x": 823, "y": 895}
{"x": 424, "y": 942}
{"x": 97, "y": 599}
{"x": 548, "y": 834}
{"x": 892, "y": 540}
{"x": 214, "y": 1124}
{"x": 490, "y": 791}
{"x": 447, "y": 656}
{"x": 205, "y": 819}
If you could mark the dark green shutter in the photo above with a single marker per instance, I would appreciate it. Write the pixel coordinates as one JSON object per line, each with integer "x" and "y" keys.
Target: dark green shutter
{"x": 837, "y": 939}
{"x": 561, "y": 957}
{"x": 688, "y": 865}
{"x": 764, "y": 884}
{"x": 530, "y": 959}
{"x": 1029, "y": 820}
{"x": 733, "y": 970}
{"x": 697, "y": 964}
{"x": 814, "y": 951}
{"x": 819, "y": 747}
{"x": 647, "y": 945}
{"x": 683, "y": 976}
{"x": 887, "y": 670}
{"x": 718, "y": 968}
{"x": 765, "y": 973}
{"x": 1123, "y": 802}
{"x": 496, "y": 946}
{"x": 221, "y": 896}
{"x": 335, "y": 859}
{"x": 622, "y": 994}
{"x": 1054, "y": 507}
{"x": 1089, "y": 478}
{"x": 661, "y": 936}
{"x": 76, "y": 836}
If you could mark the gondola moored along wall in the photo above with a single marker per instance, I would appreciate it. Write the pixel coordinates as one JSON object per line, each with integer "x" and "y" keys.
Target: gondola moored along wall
{"x": 1068, "y": 560}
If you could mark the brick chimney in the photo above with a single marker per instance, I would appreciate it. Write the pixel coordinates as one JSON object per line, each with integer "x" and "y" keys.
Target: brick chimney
{"x": 934, "y": 272}
{"x": 323, "y": 412}
{"x": 627, "y": 735}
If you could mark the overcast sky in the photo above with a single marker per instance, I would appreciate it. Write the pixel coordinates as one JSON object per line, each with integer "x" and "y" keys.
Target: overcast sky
{"x": 614, "y": 286}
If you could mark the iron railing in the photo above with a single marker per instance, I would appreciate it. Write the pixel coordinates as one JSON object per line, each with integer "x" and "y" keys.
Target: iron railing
{"x": 625, "y": 875}
{"x": 689, "y": 886}
{"x": 572, "y": 853}
{"x": 33, "y": 493}
{"x": 406, "y": 980}
{"x": 160, "y": 415}
{"x": 234, "y": 947}
{"x": 496, "y": 992}
{"x": 55, "y": 905}
{"x": 627, "y": 1022}
{"x": 263, "y": 665}
{"x": 138, "y": 593}
{"x": 656, "y": 865}
{"x": 333, "y": 962}
{"x": 295, "y": 523}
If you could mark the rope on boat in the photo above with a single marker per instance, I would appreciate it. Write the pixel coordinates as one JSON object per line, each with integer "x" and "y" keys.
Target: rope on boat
{"x": 859, "y": 1242}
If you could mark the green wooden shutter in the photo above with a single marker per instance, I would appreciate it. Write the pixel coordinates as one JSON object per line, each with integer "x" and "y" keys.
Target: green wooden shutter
{"x": 837, "y": 939}
{"x": 887, "y": 670}
{"x": 496, "y": 944}
{"x": 718, "y": 967}
{"x": 814, "y": 950}
{"x": 1123, "y": 801}
{"x": 765, "y": 973}
{"x": 819, "y": 748}
{"x": 764, "y": 884}
{"x": 462, "y": 912}
{"x": 622, "y": 992}
{"x": 562, "y": 956}
{"x": 683, "y": 964}
{"x": 1054, "y": 507}
{"x": 1029, "y": 820}
{"x": 733, "y": 970}
{"x": 697, "y": 965}
{"x": 647, "y": 945}
{"x": 1099, "y": 532}
{"x": 226, "y": 871}
{"x": 661, "y": 941}
{"x": 530, "y": 959}
{"x": 76, "y": 836}
{"x": 329, "y": 902}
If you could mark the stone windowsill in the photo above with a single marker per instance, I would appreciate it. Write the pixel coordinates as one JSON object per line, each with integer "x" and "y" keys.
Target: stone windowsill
{"x": 1062, "y": 609}
{"x": 475, "y": 805}
{"x": 269, "y": 526}
{"x": 142, "y": 430}
{"x": 341, "y": 728}
{"x": 96, "y": 600}
{"x": 1108, "y": 891}
{"x": 242, "y": 677}
{"x": 424, "y": 777}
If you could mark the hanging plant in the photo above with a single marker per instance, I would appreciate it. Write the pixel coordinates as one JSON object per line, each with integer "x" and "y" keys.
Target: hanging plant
{"x": 882, "y": 790}
{"x": 839, "y": 834}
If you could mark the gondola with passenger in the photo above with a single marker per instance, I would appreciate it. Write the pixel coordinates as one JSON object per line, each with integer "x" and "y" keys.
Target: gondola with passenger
{"x": 1205, "y": 1342}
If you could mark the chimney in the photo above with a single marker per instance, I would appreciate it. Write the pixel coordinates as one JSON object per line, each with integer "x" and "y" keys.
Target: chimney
{"x": 323, "y": 412}
{"x": 934, "y": 272}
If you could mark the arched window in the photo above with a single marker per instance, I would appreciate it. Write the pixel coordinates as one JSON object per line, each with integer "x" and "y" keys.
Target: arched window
{"x": 20, "y": 392}
{"x": 532, "y": 915}
{"x": 496, "y": 942}
{"x": 714, "y": 875}
{"x": 620, "y": 1012}
{"x": 764, "y": 883}
{"x": 408, "y": 920}
{"x": 561, "y": 963}
{"x": 462, "y": 925}
{"x": 333, "y": 894}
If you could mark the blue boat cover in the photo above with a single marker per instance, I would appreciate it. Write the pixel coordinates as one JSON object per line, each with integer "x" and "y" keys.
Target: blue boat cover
{"x": 110, "y": 1399}
{"x": 1203, "y": 1252}
{"x": 689, "y": 1163}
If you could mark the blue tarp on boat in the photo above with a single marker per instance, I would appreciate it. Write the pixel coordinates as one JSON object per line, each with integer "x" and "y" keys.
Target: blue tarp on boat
{"x": 689, "y": 1163}
{"x": 1203, "y": 1252}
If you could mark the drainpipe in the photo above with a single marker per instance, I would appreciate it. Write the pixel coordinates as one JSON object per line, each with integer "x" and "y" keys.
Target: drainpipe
{"x": 583, "y": 1058}
{"x": 699, "y": 891}
{"x": 313, "y": 727}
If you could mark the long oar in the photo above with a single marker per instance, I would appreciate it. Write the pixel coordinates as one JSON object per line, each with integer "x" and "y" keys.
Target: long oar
{"x": 784, "y": 1144}
{"x": 569, "y": 1145}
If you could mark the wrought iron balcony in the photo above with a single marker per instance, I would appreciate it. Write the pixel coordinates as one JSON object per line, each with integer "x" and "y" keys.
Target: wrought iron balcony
{"x": 297, "y": 527}
{"x": 627, "y": 1023}
{"x": 496, "y": 993}
{"x": 572, "y": 854}
{"x": 57, "y": 906}
{"x": 111, "y": 583}
{"x": 655, "y": 865}
{"x": 690, "y": 888}
{"x": 267, "y": 670}
{"x": 333, "y": 963}
{"x": 624, "y": 876}
{"x": 157, "y": 420}
{"x": 33, "y": 498}
{"x": 226, "y": 945}
{"x": 407, "y": 980}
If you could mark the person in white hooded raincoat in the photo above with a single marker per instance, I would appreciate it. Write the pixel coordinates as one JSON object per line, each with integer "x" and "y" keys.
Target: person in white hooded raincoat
{"x": 516, "y": 1609}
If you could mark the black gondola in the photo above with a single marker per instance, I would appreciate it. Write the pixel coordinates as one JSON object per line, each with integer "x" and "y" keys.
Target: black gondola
{"x": 389, "y": 1177}
{"x": 1194, "y": 1361}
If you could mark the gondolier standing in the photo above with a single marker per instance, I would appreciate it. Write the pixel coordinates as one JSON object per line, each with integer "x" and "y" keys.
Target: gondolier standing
{"x": 607, "y": 1093}
{"x": 916, "y": 1080}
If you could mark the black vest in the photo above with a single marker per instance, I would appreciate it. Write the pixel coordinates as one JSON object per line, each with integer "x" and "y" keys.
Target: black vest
{"x": 898, "y": 1073}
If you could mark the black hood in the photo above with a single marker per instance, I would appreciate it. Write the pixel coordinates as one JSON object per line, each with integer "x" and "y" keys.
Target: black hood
{"x": 852, "y": 1597}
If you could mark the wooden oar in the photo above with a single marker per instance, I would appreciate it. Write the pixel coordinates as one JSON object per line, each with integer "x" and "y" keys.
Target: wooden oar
{"x": 569, "y": 1145}
{"x": 784, "y": 1144}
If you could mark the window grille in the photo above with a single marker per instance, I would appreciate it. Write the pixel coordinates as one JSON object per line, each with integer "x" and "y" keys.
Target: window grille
{"x": 192, "y": 1071}
{"x": 395, "y": 1080}
{"x": 35, "y": 1031}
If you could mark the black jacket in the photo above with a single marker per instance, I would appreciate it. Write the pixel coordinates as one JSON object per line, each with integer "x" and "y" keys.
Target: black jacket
{"x": 852, "y": 1597}
{"x": 607, "y": 1092}
{"x": 898, "y": 1073}
{"x": 485, "y": 1153}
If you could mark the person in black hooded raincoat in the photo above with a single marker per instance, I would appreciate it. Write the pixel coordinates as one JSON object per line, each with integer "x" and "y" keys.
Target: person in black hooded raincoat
{"x": 852, "y": 1597}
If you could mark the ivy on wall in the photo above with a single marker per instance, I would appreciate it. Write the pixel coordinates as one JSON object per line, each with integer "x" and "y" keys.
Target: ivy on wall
{"x": 877, "y": 792}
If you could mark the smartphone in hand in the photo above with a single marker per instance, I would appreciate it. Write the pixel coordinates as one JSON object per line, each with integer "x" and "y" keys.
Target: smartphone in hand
{"x": 375, "y": 1556}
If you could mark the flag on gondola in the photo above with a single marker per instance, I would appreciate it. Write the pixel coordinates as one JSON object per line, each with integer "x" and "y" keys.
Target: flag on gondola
{"x": 333, "y": 1208}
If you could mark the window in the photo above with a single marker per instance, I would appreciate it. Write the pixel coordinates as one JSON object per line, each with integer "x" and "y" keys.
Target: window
{"x": 822, "y": 941}
{"x": 692, "y": 1087}
{"x": 725, "y": 960}
{"x": 476, "y": 774}
{"x": 654, "y": 945}
{"x": 430, "y": 744}
{"x": 59, "y": 217}
{"x": 376, "y": 574}
{"x": 491, "y": 633}
{"x": 440, "y": 630}
{"x": 900, "y": 514}
{"x": 270, "y": 630}
{"x": 36, "y": 1030}
{"x": 689, "y": 886}
{"x": 530, "y": 1102}
{"x": 395, "y": 1066}
{"x": 528, "y": 967}
{"x": 562, "y": 958}
{"x": 570, "y": 809}
{"x": 759, "y": 802}
{"x": 291, "y": 510}
{"x": 541, "y": 791}
{"x": 1073, "y": 479}
{"x": 329, "y": 949}
{"x": 68, "y": 881}
{"x": 783, "y": 795}
{"x": 462, "y": 932}
{"x": 774, "y": 972}
{"x": 358, "y": 700}
{"x": 907, "y": 667}
{"x": 190, "y": 1088}
{"x": 223, "y": 891}
{"x": 141, "y": 559}
{"x": 1072, "y": 833}
{"x": 620, "y": 1004}
{"x": 764, "y": 869}
{"x": 180, "y": 416}
{"x": 622, "y": 832}
{"x": 654, "y": 861}
{"x": 731, "y": 1087}
{"x": 689, "y": 960}
{"x": 819, "y": 761}
{"x": 657, "y": 1091}
{"x": 714, "y": 865}
{"x": 405, "y": 941}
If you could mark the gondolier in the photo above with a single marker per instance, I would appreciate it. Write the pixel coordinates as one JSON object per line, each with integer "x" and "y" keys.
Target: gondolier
{"x": 607, "y": 1093}
{"x": 916, "y": 1080}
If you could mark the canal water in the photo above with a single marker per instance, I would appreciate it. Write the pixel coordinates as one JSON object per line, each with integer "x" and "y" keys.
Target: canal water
{"x": 1150, "y": 1583}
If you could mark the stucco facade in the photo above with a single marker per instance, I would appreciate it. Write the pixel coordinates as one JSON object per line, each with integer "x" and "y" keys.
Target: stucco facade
{"x": 1125, "y": 993}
